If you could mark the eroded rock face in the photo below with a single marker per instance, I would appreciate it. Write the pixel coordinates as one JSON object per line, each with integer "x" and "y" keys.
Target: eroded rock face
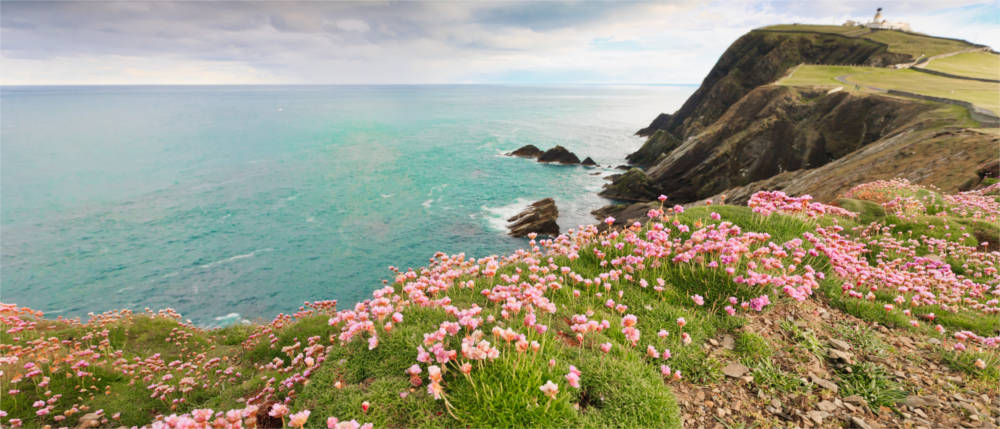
{"x": 759, "y": 58}
{"x": 633, "y": 185}
{"x": 559, "y": 154}
{"x": 770, "y": 131}
{"x": 540, "y": 217}
{"x": 527, "y": 151}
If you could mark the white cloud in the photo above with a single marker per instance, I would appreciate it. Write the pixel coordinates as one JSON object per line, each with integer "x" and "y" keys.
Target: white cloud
{"x": 439, "y": 42}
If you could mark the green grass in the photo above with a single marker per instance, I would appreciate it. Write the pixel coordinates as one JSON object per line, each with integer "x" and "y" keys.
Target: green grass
{"x": 863, "y": 339}
{"x": 752, "y": 346}
{"x": 972, "y": 64}
{"x": 982, "y": 94}
{"x": 966, "y": 362}
{"x": 912, "y": 44}
{"x": 872, "y": 382}
{"x": 769, "y": 377}
{"x": 916, "y": 45}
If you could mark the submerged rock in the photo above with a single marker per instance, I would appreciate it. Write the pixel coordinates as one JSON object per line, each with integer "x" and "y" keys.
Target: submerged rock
{"x": 559, "y": 154}
{"x": 527, "y": 151}
{"x": 540, "y": 217}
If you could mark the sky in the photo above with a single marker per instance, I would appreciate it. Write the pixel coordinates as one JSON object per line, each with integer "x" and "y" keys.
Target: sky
{"x": 410, "y": 42}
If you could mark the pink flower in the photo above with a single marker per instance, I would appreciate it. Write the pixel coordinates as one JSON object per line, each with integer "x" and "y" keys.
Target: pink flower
{"x": 662, "y": 333}
{"x": 278, "y": 411}
{"x": 550, "y": 389}
{"x": 298, "y": 419}
{"x": 662, "y": 198}
{"x": 730, "y": 310}
{"x": 573, "y": 379}
{"x": 698, "y": 299}
{"x": 365, "y": 406}
{"x": 681, "y": 322}
{"x": 715, "y": 216}
{"x": 609, "y": 220}
{"x": 606, "y": 347}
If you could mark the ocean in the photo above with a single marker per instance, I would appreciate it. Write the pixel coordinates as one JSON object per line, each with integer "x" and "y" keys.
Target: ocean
{"x": 231, "y": 203}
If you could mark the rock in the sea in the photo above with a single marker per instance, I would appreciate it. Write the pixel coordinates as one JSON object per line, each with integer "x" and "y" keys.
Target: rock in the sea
{"x": 559, "y": 154}
{"x": 540, "y": 217}
{"x": 588, "y": 161}
{"x": 527, "y": 151}
{"x": 633, "y": 185}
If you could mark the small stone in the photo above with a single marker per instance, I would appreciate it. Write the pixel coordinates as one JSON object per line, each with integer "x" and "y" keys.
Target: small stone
{"x": 913, "y": 401}
{"x": 728, "y": 342}
{"x": 735, "y": 370}
{"x": 776, "y": 403}
{"x": 826, "y": 384}
{"x": 840, "y": 345}
{"x": 934, "y": 341}
{"x": 826, "y": 406}
{"x": 713, "y": 342}
{"x": 841, "y": 356}
{"x": 859, "y": 423}
{"x": 817, "y": 416}
{"x": 969, "y": 407}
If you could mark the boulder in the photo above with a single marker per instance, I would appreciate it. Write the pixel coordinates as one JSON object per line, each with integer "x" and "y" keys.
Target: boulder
{"x": 540, "y": 217}
{"x": 559, "y": 154}
{"x": 527, "y": 151}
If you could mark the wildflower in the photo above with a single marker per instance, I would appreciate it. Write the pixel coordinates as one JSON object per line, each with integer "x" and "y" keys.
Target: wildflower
{"x": 606, "y": 347}
{"x": 730, "y": 310}
{"x": 715, "y": 216}
{"x": 662, "y": 198}
{"x": 365, "y": 405}
{"x": 685, "y": 338}
{"x": 278, "y": 411}
{"x": 681, "y": 322}
{"x": 609, "y": 220}
{"x": 980, "y": 364}
{"x": 698, "y": 299}
{"x": 662, "y": 333}
{"x": 573, "y": 379}
{"x": 550, "y": 389}
{"x": 298, "y": 419}
{"x": 466, "y": 368}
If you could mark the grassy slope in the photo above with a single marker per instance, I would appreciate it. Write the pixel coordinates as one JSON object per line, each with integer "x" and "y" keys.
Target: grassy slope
{"x": 973, "y": 64}
{"x": 915, "y": 45}
{"x": 623, "y": 389}
{"x": 982, "y": 94}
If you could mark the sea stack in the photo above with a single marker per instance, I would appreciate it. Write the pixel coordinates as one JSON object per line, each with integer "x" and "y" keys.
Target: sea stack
{"x": 540, "y": 217}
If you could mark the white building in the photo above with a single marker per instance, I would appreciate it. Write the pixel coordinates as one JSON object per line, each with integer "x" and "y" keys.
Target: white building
{"x": 879, "y": 23}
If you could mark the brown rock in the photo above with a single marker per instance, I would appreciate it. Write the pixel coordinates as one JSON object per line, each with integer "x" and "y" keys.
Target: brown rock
{"x": 559, "y": 154}
{"x": 527, "y": 151}
{"x": 540, "y": 217}
{"x": 735, "y": 370}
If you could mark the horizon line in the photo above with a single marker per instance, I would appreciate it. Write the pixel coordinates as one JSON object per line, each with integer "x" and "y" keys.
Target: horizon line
{"x": 50, "y": 85}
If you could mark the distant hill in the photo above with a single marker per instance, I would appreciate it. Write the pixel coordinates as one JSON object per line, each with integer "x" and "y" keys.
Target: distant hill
{"x": 818, "y": 109}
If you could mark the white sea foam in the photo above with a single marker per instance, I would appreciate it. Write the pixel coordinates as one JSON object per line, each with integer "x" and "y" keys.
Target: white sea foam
{"x": 228, "y": 320}
{"x": 497, "y": 216}
{"x": 236, "y": 258}
{"x": 427, "y": 204}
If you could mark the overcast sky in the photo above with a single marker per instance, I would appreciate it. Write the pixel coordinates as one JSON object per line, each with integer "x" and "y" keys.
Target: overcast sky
{"x": 200, "y": 42}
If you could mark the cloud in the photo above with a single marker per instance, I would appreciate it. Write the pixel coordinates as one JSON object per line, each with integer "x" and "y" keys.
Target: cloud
{"x": 675, "y": 41}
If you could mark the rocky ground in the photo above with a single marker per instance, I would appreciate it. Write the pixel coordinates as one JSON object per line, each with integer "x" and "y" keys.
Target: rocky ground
{"x": 813, "y": 344}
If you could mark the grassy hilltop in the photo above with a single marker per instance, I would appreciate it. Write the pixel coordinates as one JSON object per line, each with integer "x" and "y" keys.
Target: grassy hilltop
{"x": 787, "y": 311}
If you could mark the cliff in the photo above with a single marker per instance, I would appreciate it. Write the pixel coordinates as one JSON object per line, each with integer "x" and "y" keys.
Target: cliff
{"x": 740, "y": 132}
{"x": 758, "y": 58}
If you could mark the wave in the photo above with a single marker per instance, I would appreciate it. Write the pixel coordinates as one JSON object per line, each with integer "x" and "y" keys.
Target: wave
{"x": 236, "y": 258}
{"x": 497, "y": 216}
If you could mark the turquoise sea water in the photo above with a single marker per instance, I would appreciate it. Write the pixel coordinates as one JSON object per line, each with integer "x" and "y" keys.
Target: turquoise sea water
{"x": 240, "y": 202}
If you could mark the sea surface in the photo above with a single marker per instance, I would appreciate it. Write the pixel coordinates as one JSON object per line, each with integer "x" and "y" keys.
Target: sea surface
{"x": 235, "y": 203}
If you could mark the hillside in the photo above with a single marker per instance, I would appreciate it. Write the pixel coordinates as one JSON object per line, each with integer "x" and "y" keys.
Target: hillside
{"x": 786, "y": 312}
{"x": 783, "y": 102}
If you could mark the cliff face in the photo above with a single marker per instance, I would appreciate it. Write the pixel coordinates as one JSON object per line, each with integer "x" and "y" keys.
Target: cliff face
{"x": 758, "y": 58}
{"x": 739, "y": 133}
{"x": 771, "y": 130}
